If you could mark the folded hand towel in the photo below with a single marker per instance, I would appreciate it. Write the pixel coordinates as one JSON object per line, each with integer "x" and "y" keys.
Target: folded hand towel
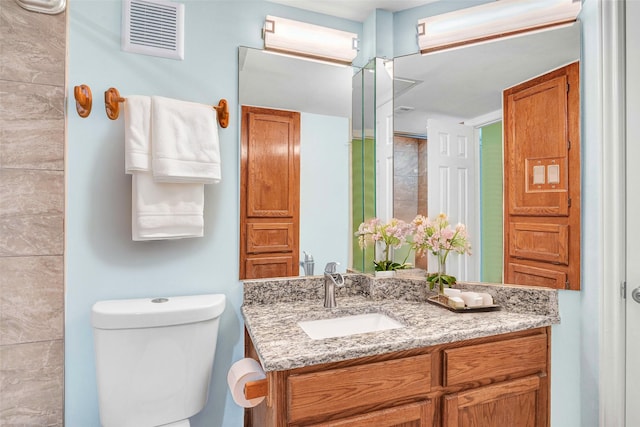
{"x": 185, "y": 145}
{"x": 137, "y": 133}
{"x": 165, "y": 210}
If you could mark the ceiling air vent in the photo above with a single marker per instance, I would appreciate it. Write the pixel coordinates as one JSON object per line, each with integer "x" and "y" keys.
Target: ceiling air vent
{"x": 154, "y": 28}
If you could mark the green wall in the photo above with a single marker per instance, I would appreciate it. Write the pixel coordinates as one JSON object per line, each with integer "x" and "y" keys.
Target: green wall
{"x": 363, "y": 157}
{"x": 491, "y": 210}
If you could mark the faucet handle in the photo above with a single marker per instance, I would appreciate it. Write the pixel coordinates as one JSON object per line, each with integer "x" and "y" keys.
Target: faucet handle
{"x": 330, "y": 268}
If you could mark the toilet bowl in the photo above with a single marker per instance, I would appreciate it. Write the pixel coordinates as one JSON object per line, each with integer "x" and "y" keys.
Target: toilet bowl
{"x": 154, "y": 358}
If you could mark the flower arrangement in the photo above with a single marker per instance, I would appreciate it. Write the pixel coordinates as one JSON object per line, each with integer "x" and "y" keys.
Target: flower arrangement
{"x": 437, "y": 236}
{"x": 423, "y": 235}
{"x": 393, "y": 234}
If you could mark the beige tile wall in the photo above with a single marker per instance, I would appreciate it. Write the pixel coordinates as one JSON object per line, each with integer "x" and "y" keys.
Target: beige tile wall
{"x": 32, "y": 123}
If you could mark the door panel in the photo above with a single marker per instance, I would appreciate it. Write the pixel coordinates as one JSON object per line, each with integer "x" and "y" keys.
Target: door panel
{"x": 270, "y": 237}
{"x": 269, "y": 193}
{"x": 511, "y": 403}
{"x": 536, "y": 276}
{"x": 271, "y": 162}
{"x": 537, "y": 143}
{"x": 542, "y": 180}
{"x": 543, "y": 242}
{"x": 259, "y": 267}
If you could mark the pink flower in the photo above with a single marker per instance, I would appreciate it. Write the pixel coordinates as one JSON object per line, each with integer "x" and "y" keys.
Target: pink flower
{"x": 437, "y": 236}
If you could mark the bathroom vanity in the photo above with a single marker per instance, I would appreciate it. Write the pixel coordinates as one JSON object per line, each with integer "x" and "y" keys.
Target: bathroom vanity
{"x": 440, "y": 369}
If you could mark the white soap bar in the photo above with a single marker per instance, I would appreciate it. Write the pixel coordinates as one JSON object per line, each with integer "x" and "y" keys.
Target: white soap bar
{"x": 456, "y": 302}
{"x": 471, "y": 299}
{"x": 452, "y": 292}
{"x": 487, "y": 299}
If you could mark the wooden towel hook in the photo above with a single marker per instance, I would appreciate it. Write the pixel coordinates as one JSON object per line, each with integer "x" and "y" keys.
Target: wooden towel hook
{"x": 223, "y": 113}
{"x": 84, "y": 100}
{"x": 112, "y": 100}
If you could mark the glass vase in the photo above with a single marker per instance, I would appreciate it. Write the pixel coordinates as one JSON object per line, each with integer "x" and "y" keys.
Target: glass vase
{"x": 442, "y": 271}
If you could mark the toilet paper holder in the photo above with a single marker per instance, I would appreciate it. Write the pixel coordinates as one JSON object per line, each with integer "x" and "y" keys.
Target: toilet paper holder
{"x": 255, "y": 389}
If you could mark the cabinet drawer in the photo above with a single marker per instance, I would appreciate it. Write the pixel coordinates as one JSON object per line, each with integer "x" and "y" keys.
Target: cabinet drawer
{"x": 496, "y": 359}
{"x": 324, "y": 393}
{"x": 412, "y": 415}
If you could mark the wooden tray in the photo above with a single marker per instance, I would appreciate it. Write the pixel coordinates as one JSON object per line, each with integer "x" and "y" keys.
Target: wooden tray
{"x": 441, "y": 301}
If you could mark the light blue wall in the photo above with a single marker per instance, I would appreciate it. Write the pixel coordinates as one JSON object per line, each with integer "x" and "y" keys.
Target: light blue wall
{"x": 103, "y": 263}
{"x": 588, "y": 308}
{"x": 378, "y": 34}
{"x": 101, "y": 260}
{"x": 324, "y": 198}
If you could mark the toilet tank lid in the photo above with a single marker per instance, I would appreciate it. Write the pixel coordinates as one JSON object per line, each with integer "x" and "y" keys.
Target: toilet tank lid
{"x": 153, "y": 312}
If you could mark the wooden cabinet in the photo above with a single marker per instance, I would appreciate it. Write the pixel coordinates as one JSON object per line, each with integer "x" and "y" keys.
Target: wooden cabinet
{"x": 513, "y": 403}
{"x": 269, "y": 193}
{"x": 495, "y": 381}
{"x": 542, "y": 180}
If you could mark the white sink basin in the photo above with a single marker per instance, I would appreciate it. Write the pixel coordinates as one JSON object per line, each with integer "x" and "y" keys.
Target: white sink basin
{"x": 348, "y": 325}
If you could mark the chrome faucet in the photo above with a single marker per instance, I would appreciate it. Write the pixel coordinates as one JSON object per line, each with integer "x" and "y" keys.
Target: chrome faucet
{"x": 331, "y": 280}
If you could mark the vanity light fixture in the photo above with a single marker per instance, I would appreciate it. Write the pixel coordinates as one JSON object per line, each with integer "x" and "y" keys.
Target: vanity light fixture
{"x": 309, "y": 41}
{"x": 488, "y": 21}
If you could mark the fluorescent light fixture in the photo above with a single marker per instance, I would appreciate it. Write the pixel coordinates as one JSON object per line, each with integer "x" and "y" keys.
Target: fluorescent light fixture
{"x": 492, "y": 20}
{"x": 310, "y": 41}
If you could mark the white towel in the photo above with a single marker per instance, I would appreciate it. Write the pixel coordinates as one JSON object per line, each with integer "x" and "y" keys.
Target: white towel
{"x": 165, "y": 210}
{"x": 137, "y": 133}
{"x": 184, "y": 142}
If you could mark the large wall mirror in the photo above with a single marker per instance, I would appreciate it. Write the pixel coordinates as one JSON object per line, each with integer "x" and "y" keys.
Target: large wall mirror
{"x": 464, "y": 87}
{"x": 322, "y": 94}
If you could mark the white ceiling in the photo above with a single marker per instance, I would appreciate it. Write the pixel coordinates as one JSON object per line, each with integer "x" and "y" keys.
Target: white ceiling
{"x": 355, "y": 10}
{"x": 279, "y": 81}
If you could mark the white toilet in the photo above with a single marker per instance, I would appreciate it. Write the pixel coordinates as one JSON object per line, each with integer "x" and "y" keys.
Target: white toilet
{"x": 154, "y": 358}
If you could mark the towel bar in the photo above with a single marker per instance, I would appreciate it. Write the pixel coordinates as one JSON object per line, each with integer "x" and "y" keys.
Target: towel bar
{"x": 112, "y": 100}
{"x": 84, "y": 100}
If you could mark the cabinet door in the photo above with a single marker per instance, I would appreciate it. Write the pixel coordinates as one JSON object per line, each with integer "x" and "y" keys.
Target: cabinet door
{"x": 413, "y": 415}
{"x": 542, "y": 180}
{"x": 269, "y": 193}
{"x": 517, "y": 403}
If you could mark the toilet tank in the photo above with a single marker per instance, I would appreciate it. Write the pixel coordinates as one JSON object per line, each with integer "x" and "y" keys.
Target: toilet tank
{"x": 154, "y": 357}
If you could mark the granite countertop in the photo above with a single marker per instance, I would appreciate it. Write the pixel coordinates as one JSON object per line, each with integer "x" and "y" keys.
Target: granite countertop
{"x": 272, "y": 309}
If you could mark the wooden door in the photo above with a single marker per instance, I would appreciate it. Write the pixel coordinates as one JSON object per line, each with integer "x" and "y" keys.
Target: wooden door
{"x": 269, "y": 193}
{"x": 513, "y": 403}
{"x": 542, "y": 180}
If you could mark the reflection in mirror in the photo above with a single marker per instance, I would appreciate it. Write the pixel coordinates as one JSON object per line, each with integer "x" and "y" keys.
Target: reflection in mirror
{"x": 363, "y": 162}
{"x": 462, "y": 88}
{"x": 372, "y": 153}
{"x": 321, "y": 93}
